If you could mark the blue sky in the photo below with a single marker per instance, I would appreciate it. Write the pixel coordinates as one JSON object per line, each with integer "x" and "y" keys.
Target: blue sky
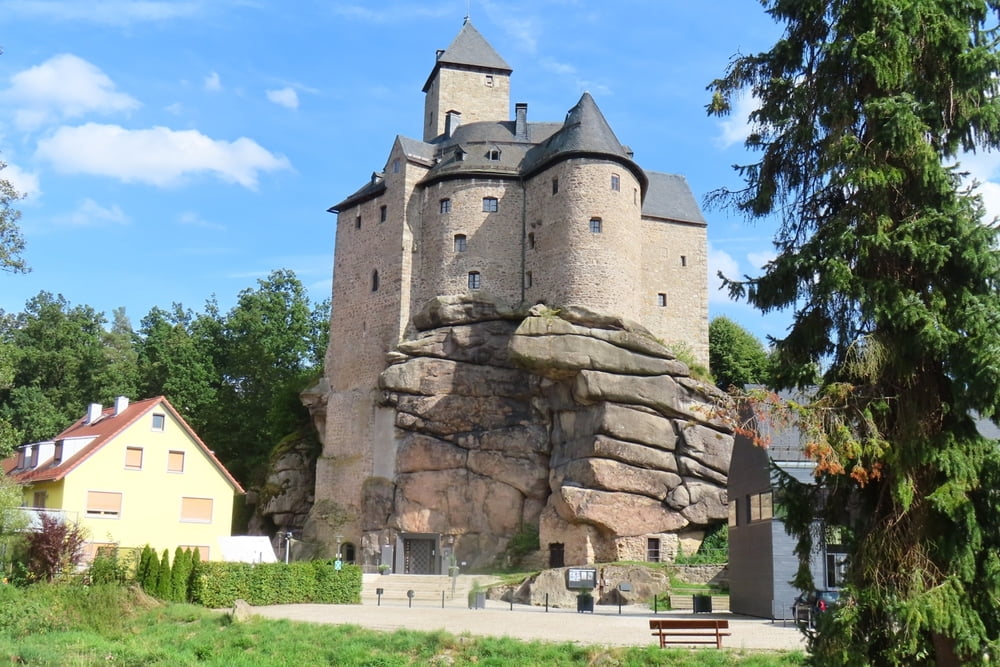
{"x": 176, "y": 149}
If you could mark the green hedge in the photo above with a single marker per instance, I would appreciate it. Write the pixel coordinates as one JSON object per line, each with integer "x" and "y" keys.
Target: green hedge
{"x": 221, "y": 584}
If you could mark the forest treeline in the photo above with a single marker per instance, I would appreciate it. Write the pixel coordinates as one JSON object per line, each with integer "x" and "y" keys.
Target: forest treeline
{"x": 234, "y": 376}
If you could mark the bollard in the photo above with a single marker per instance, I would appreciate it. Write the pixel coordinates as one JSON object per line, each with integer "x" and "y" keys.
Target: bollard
{"x": 410, "y": 595}
{"x": 656, "y": 601}
{"x": 442, "y": 599}
{"x": 546, "y": 603}
{"x": 378, "y": 592}
{"x": 512, "y": 600}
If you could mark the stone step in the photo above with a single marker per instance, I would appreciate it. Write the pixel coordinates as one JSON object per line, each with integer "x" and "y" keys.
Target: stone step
{"x": 427, "y": 588}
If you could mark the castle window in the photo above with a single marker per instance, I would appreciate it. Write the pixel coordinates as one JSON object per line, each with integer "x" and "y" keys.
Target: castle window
{"x": 616, "y": 182}
{"x": 489, "y": 81}
{"x": 595, "y": 225}
{"x": 491, "y": 204}
{"x": 459, "y": 155}
{"x": 474, "y": 280}
{"x": 661, "y": 300}
{"x": 395, "y": 166}
{"x": 375, "y": 280}
{"x": 493, "y": 155}
{"x": 383, "y": 213}
{"x": 459, "y": 242}
{"x": 555, "y": 186}
{"x": 357, "y": 222}
{"x": 527, "y": 279}
{"x": 444, "y": 206}
{"x": 684, "y": 260}
{"x": 531, "y": 240}
{"x": 635, "y": 195}
{"x": 653, "y": 549}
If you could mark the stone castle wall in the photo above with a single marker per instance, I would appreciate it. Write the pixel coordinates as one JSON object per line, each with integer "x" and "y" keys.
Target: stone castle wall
{"x": 466, "y": 91}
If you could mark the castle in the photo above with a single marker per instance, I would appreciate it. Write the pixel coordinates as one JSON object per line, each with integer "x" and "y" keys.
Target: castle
{"x": 522, "y": 212}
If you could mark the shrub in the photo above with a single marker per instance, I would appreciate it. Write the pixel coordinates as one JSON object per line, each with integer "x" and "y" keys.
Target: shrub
{"x": 54, "y": 548}
{"x": 163, "y": 578}
{"x": 221, "y": 584}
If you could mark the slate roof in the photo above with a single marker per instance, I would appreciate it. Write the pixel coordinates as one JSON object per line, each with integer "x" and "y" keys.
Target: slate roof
{"x": 103, "y": 430}
{"x": 669, "y": 197}
{"x": 469, "y": 49}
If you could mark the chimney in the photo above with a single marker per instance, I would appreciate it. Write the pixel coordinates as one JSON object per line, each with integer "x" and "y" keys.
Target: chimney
{"x": 452, "y": 120}
{"x": 93, "y": 413}
{"x": 120, "y": 404}
{"x": 521, "y": 121}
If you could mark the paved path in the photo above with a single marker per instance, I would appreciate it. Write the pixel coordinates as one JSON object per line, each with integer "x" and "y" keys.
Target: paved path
{"x": 604, "y": 627}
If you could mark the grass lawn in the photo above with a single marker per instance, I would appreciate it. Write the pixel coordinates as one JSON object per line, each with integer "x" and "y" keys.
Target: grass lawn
{"x": 100, "y": 625}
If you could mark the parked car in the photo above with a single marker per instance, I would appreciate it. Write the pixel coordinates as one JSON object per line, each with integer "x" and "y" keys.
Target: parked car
{"x": 808, "y": 605}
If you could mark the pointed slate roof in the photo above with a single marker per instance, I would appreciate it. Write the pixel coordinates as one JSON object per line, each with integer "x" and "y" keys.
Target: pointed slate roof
{"x": 585, "y": 132}
{"x": 469, "y": 49}
{"x": 669, "y": 197}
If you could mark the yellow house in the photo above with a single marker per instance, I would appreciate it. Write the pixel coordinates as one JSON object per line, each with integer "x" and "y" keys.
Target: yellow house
{"x": 131, "y": 475}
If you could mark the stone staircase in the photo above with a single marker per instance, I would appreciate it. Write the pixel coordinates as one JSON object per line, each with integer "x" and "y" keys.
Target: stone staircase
{"x": 427, "y": 588}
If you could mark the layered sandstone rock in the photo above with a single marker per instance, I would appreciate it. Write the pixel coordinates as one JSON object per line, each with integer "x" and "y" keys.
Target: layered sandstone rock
{"x": 575, "y": 422}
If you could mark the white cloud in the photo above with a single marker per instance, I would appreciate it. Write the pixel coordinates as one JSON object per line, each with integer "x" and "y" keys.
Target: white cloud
{"x": 108, "y": 12}
{"x": 759, "y": 259}
{"x": 89, "y": 213}
{"x": 720, "y": 260}
{"x": 158, "y": 156}
{"x": 736, "y": 127}
{"x": 24, "y": 182}
{"x": 213, "y": 83}
{"x": 64, "y": 86}
{"x": 192, "y": 219}
{"x": 286, "y": 97}
{"x": 384, "y": 13}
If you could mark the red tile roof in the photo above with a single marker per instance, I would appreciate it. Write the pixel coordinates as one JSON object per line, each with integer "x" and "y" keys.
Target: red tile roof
{"x": 104, "y": 430}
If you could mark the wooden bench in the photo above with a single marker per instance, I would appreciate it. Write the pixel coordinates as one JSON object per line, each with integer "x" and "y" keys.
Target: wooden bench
{"x": 685, "y": 631}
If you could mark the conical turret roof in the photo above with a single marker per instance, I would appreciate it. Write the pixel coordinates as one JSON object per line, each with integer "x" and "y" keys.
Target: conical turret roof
{"x": 469, "y": 49}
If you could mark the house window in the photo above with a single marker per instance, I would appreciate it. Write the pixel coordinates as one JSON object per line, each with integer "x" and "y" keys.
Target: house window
{"x": 684, "y": 260}
{"x": 616, "y": 182}
{"x": 33, "y": 456}
{"x": 474, "y": 280}
{"x": 375, "y": 280}
{"x": 489, "y": 81}
{"x": 493, "y": 155}
{"x": 106, "y": 504}
{"x": 761, "y": 507}
{"x": 555, "y": 186}
{"x": 39, "y": 498}
{"x": 557, "y": 554}
{"x": 527, "y": 279}
{"x": 159, "y": 422}
{"x": 459, "y": 242}
{"x": 661, "y": 300}
{"x": 202, "y": 550}
{"x": 58, "y": 455}
{"x": 491, "y": 204}
{"x": 595, "y": 225}
{"x": 444, "y": 206}
{"x": 653, "y": 550}
{"x": 383, "y": 213}
{"x": 733, "y": 513}
{"x": 196, "y": 509}
{"x": 357, "y": 222}
{"x": 133, "y": 458}
{"x": 175, "y": 461}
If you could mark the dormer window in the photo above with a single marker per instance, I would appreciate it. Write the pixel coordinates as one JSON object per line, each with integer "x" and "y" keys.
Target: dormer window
{"x": 376, "y": 178}
{"x": 57, "y": 457}
{"x": 493, "y": 155}
{"x": 33, "y": 456}
{"x": 459, "y": 155}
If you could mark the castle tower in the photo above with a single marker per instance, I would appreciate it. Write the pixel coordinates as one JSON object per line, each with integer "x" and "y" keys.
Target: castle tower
{"x": 470, "y": 78}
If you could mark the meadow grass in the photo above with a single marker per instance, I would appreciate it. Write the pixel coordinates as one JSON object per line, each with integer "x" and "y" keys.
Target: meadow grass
{"x": 105, "y": 625}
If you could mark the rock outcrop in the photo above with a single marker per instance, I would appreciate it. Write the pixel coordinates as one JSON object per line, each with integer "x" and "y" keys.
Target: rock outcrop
{"x": 578, "y": 423}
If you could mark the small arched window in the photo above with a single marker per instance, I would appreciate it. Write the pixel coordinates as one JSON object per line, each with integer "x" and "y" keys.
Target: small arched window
{"x": 375, "y": 280}
{"x": 459, "y": 242}
{"x": 493, "y": 155}
{"x": 444, "y": 206}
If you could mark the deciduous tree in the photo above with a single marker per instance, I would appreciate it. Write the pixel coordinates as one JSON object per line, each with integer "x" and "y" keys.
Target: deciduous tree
{"x": 11, "y": 240}
{"x": 863, "y": 110}
{"x": 736, "y": 357}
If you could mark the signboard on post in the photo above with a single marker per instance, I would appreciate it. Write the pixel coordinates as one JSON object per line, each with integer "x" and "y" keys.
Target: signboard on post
{"x": 581, "y": 578}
